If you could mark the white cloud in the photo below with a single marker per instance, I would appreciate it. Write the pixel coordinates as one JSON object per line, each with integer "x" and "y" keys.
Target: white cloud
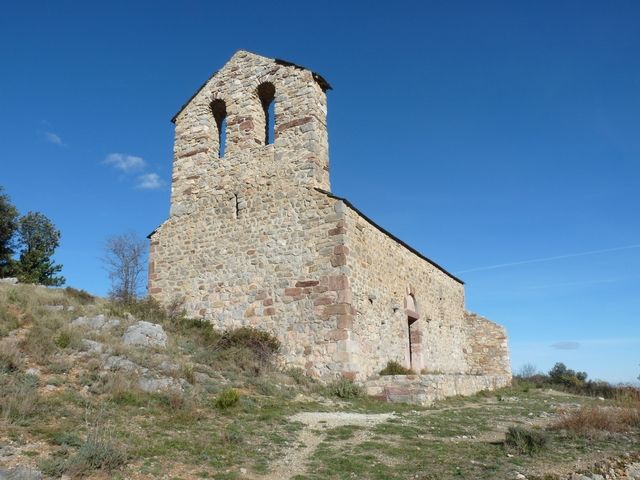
{"x": 126, "y": 163}
{"x": 54, "y": 138}
{"x": 150, "y": 181}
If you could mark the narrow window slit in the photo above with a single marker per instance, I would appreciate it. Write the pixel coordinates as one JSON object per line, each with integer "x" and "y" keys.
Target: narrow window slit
{"x": 237, "y": 204}
{"x": 219, "y": 110}
{"x": 267, "y": 93}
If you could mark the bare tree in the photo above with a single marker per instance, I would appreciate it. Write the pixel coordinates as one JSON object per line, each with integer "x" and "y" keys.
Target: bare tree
{"x": 527, "y": 370}
{"x": 124, "y": 258}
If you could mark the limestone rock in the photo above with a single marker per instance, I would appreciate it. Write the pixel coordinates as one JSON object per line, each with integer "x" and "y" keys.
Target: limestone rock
{"x": 161, "y": 384}
{"x": 99, "y": 322}
{"x": 633, "y": 471}
{"x": 20, "y": 472}
{"x": 145, "y": 334}
{"x": 120, "y": 363}
{"x": 10, "y": 281}
{"x": 92, "y": 346}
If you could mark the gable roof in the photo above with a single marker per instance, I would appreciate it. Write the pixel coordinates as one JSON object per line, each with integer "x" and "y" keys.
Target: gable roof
{"x": 388, "y": 234}
{"x": 320, "y": 80}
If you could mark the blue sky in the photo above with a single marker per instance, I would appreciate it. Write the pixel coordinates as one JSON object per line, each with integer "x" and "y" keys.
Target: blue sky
{"x": 485, "y": 134}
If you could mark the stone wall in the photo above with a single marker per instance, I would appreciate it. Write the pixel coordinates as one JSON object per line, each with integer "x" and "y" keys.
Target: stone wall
{"x": 247, "y": 241}
{"x": 488, "y": 351}
{"x": 385, "y": 277}
{"x": 425, "y": 389}
{"x": 255, "y": 239}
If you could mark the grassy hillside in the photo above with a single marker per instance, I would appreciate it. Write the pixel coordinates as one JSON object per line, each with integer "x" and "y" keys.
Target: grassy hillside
{"x": 76, "y": 401}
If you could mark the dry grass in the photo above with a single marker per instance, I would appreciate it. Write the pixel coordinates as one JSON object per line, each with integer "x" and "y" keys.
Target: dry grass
{"x": 588, "y": 421}
{"x": 19, "y": 399}
{"x": 10, "y": 356}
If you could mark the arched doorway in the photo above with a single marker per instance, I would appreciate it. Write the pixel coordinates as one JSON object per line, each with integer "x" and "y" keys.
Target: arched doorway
{"x": 414, "y": 334}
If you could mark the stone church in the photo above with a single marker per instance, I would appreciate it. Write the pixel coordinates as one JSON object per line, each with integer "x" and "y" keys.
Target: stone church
{"x": 256, "y": 238}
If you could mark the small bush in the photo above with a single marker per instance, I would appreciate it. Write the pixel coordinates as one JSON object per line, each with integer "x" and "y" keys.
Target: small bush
{"x": 261, "y": 343}
{"x": 394, "y": 368}
{"x": 54, "y": 466}
{"x": 227, "y": 398}
{"x": 298, "y": 376}
{"x": 345, "y": 389}
{"x": 66, "y": 439}
{"x": 187, "y": 372}
{"x": 525, "y": 440}
{"x": 81, "y": 296}
{"x": 99, "y": 452}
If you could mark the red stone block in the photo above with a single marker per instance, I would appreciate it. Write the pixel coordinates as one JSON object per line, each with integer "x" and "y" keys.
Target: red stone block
{"x": 349, "y": 375}
{"x": 337, "y": 231}
{"x": 322, "y": 301}
{"x": 344, "y": 322}
{"x": 337, "y": 309}
{"x": 307, "y": 283}
{"x": 338, "y": 282}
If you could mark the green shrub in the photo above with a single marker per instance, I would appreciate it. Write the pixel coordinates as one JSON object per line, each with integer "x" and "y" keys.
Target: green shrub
{"x": 261, "y": 343}
{"x": 97, "y": 453}
{"x": 65, "y": 438}
{"x": 394, "y": 368}
{"x": 81, "y": 296}
{"x": 227, "y": 398}
{"x": 298, "y": 376}
{"x": 345, "y": 389}
{"x": 68, "y": 338}
{"x": 525, "y": 440}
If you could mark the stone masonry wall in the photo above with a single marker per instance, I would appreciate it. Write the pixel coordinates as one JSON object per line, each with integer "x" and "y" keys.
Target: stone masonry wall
{"x": 272, "y": 268}
{"x": 425, "y": 389}
{"x": 488, "y": 352}
{"x": 254, "y": 238}
{"x": 383, "y": 274}
{"x": 248, "y": 242}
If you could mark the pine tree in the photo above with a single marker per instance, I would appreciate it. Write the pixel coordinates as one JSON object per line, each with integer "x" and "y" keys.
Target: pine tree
{"x": 39, "y": 239}
{"x": 8, "y": 226}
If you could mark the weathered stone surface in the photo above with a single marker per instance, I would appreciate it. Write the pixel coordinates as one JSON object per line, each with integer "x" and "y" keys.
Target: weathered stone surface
{"x": 160, "y": 384}
{"x": 99, "y": 322}
{"x": 20, "y": 472}
{"x": 9, "y": 280}
{"x": 255, "y": 239}
{"x": 425, "y": 389}
{"x": 145, "y": 334}
{"x": 117, "y": 362}
{"x": 633, "y": 471}
{"x": 92, "y": 346}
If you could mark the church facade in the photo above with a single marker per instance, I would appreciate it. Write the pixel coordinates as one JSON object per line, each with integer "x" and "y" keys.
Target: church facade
{"x": 256, "y": 238}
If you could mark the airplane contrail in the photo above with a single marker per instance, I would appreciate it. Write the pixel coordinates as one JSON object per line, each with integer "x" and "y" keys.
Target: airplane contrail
{"x": 547, "y": 259}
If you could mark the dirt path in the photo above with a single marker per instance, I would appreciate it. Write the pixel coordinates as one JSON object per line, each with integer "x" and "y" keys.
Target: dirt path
{"x": 295, "y": 459}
